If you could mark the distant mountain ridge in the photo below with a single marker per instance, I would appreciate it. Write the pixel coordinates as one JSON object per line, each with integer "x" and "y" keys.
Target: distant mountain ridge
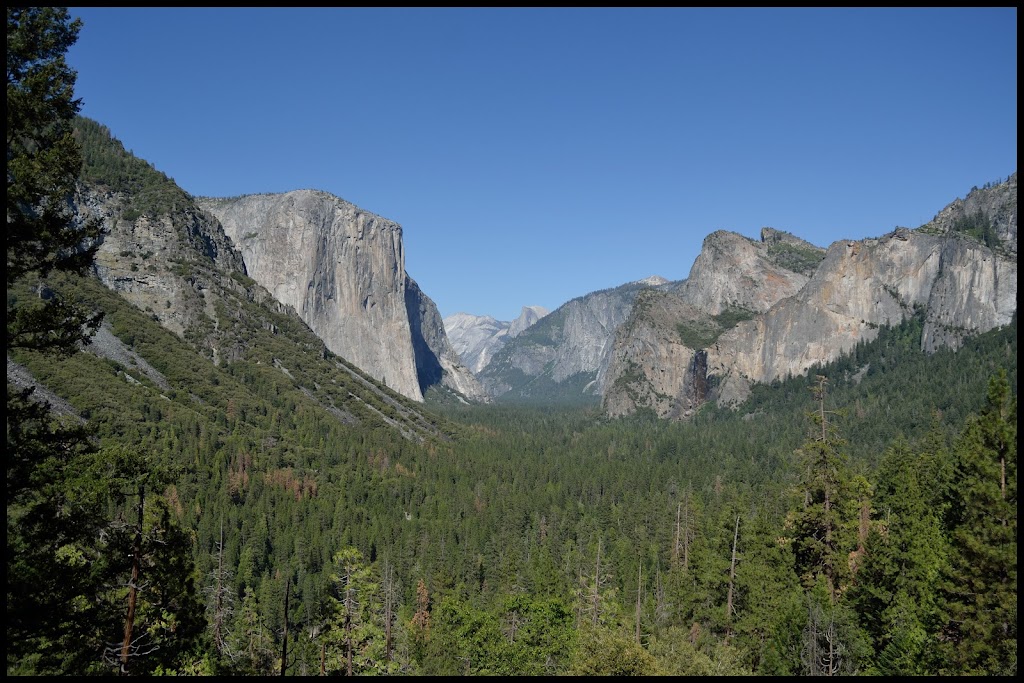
{"x": 476, "y": 338}
{"x": 750, "y": 310}
{"x": 677, "y": 351}
{"x": 562, "y": 358}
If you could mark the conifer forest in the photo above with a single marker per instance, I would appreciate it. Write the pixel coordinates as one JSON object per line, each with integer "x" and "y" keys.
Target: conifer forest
{"x": 168, "y": 515}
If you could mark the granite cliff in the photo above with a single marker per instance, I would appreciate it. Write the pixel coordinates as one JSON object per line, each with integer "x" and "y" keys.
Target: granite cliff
{"x": 752, "y": 313}
{"x": 563, "y": 356}
{"x": 658, "y": 357}
{"x": 343, "y": 271}
{"x": 185, "y": 306}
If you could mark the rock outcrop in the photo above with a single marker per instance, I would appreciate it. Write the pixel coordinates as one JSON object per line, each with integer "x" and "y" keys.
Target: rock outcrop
{"x": 805, "y": 306}
{"x": 650, "y": 366}
{"x": 437, "y": 363}
{"x": 735, "y": 272}
{"x": 168, "y": 264}
{"x": 963, "y": 286}
{"x": 564, "y": 355}
{"x": 343, "y": 271}
{"x": 659, "y": 356}
{"x": 341, "y": 268}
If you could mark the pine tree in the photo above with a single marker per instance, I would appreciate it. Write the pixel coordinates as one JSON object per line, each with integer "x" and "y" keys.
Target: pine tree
{"x": 894, "y": 592}
{"x": 52, "y": 516}
{"x": 768, "y": 597}
{"x": 355, "y": 640}
{"x": 69, "y": 594}
{"x": 817, "y": 526}
{"x": 43, "y": 164}
{"x": 980, "y": 588}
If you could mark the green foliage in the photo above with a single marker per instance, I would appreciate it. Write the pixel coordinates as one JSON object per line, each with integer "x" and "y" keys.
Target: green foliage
{"x": 793, "y": 257}
{"x": 677, "y": 655}
{"x": 354, "y": 643}
{"x": 977, "y": 226}
{"x": 601, "y": 651}
{"x": 702, "y": 333}
{"x": 895, "y": 593}
{"x": 53, "y": 516}
{"x": 823, "y": 485}
{"x": 43, "y": 160}
{"x": 506, "y": 539}
{"x": 980, "y": 587}
{"x": 499, "y": 506}
{"x": 66, "y": 548}
{"x": 147, "y": 569}
{"x": 831, "y": 642}
{"x": 145, "y": 191}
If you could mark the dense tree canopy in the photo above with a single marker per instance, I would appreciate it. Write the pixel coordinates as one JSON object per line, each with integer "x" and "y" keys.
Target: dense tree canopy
{"x": 43, "y": 165}
{"x": 186, "y": 516}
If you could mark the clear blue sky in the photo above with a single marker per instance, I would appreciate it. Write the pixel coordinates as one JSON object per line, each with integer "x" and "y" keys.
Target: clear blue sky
{"x": 534, "y": 155}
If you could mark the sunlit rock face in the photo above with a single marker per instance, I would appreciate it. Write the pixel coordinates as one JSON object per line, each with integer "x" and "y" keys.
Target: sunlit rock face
{"x": 167, "y": 265}
{"x": 659, "y": 359}
{"x": 807, "y": 307}
{"x": 341, "y": 268}
{"x": 965, "y": 288}
{"x": 343, "y": 271}
{"x": 476, "y": 338}
{"x": 564, "y": 355}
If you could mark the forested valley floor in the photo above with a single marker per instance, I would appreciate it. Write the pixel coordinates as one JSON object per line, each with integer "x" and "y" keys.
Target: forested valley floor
{"x": 860, "y": 519}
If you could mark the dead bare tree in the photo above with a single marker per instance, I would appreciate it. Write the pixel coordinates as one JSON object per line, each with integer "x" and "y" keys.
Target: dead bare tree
{"x": 133, "y": 584}
{"x": 639, "y": 596}
{"x": 729, "y": 609}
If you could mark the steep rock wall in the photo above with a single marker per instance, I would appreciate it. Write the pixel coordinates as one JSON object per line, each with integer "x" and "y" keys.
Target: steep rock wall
{"x": 341, "y": 268}
{"x": 860, "y": 286}
{"x": 437, "y": 363}
{"x": 656, "y": 365}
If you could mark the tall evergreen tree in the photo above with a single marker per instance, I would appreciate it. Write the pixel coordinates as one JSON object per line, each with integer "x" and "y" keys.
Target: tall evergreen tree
{"x": 817, "y": 526}
{"x": 43, "y": 164}
{"x": 981, "y": 585}
{"x": 894, "y": 592}
{"x": 52, "y": 517}
{"x": 768, "y": 597}
{"x": 65, "y": 554}
{"x": 356, "y": 642}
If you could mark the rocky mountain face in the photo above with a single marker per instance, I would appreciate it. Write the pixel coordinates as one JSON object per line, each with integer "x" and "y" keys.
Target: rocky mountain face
{"x": 343, "y": 271}
{"x": 437, "y": 362}
{"x": 563, "y": 356}
{"x": 144, "y": 258}
{"x": 754, "y": 313}
{"x": 989, "y": 214}
{"x": 734, "y": 272}
{"x": 173, "y": 286}
{"x": 476, "y": 338}
{"x": 658, "y": 359}
{"x": 527, "y": 317}
{"x": 750, "y": 311}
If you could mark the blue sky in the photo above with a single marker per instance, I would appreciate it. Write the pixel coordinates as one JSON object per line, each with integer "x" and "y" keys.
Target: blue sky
{"x": 534, "y": 155}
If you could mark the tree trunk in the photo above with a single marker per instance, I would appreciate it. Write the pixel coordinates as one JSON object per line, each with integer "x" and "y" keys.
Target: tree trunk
{"x": 732, "y": 572}
{"x": 284, "y": 639}
{"x": 639, "y": 592}
{"x": 133, "y": 586}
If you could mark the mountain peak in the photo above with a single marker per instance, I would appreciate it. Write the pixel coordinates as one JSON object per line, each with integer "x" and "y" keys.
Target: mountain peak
{"x": 653, "y": 281}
